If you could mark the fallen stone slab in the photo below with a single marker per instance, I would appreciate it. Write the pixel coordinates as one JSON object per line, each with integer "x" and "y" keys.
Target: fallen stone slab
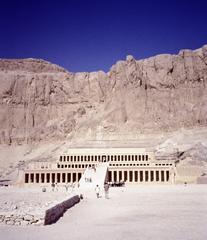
{"x": 54, "y": 213}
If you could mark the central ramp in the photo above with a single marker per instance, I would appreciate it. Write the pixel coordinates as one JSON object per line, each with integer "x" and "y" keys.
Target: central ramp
{"x": 92, "y": 177}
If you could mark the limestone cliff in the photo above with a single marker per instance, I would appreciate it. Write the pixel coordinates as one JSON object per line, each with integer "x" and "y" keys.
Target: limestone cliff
{"x": 40, "y": 101}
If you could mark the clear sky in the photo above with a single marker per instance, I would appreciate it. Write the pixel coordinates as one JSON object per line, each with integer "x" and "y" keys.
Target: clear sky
{"x": 83, "y": 35}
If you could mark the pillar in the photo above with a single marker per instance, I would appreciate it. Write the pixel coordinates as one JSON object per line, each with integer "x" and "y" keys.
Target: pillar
{"x": 29, "y": 177}
{"x": 139, "y": 176}
{"x": 77, "y": 177}
{"x": 120, "y": 175}
{"x": 71, "y": 177}
{"x": 147, "y": 175}
{"x": 144, "y": 180}
{"x": 128, "y": 176}
{"x": 133, "y": 176}
{"x": 112, "y": 176}
{"x": 61, "y": 177}
{"x": 117, "y": 176}
{"x": 160, "y": 176}
{"x": 32, "y": 177}
{"x": 55, "y": 177}
{"x": 34, "y": 180}
{"x": 153, "y": 173}
{"x": 50, "y": 177}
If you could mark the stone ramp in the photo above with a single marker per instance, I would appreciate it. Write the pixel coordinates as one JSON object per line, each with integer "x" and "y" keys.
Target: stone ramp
{"x": 86, "y": 181}
{"x": 100, "y": 174}
{"x": 93, "y": 177}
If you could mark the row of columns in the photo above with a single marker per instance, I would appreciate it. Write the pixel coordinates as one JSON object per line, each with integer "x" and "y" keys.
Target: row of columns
{"x": 139, "y": 176}
{"x": 57, "y": 177}
{"x": 75, "y": 165}
{"x": 104, "y": 158}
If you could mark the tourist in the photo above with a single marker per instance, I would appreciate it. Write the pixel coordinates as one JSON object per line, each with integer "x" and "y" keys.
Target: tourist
{"x": 66, "y": 187}
{"x": 97, "y": 190}
{"x": 53, "y": 186}
{"x": 94, "y": 168}
{"x": 106, "y": 190}
{"x": 56, "y": 187}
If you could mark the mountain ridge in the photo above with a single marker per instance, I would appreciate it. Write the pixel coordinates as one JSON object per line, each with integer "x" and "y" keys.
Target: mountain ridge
{"x": 41, "y": 101}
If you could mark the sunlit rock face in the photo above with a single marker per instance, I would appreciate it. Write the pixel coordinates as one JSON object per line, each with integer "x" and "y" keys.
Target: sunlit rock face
{"x": 40, "y": 101}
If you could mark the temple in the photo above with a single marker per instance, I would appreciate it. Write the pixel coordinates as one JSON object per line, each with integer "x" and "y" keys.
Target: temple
{"x": 128, "y": 165}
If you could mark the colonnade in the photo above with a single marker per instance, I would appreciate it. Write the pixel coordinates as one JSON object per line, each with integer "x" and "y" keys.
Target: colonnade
{"x": 139, "y": 176}
{"x": 101, "y": 158}
{"x": 52, "y": 177}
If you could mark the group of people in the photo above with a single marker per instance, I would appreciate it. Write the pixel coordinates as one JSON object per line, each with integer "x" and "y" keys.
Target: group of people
{"x": 97, "y": 189}
{"x": 55, "y": 187}
{"x": 106, "y": 190}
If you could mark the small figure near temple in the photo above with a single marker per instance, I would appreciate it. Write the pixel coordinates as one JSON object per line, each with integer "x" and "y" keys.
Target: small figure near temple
{"x": 53, "y": 186}
{"x": 97, "y": 190}
{"x": 106, "y": 190}
{"x": 66, "y": 187}
{"x": 94, "y": 168}
{"x": 56, "y": 187}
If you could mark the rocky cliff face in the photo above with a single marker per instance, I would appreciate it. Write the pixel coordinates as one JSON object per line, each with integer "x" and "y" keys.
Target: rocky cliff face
{"x": 40, "y": 101}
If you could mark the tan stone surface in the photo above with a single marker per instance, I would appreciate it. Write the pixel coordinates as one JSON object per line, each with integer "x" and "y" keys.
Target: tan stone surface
{"x": 138, "y": 103}
{"x": 41, "y": 101}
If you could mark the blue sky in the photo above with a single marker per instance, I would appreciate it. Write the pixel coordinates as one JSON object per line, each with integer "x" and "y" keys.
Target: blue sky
{"x": 93, "y": 35}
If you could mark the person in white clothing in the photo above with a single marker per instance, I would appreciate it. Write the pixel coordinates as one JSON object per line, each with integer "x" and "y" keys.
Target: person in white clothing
{"x": 97, "y": 190}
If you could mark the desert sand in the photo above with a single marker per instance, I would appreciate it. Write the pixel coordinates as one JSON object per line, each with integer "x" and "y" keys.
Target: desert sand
{"x": 133, "y": 212}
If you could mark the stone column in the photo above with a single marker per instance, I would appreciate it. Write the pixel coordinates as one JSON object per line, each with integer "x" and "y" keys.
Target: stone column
{"x": 160, "y": 176}
{"x": 77, "y": 177}
{"x": 112, "y": 176}
{"x": 128, "y": 175}
{"x": 71, "y": 177}
{"x": 117, "y": 175}
{"x": 61, "y": 177}
{"x": 149, "y": 177}
{"x": 34, "y": 178}
{"x": 144, "y": 180}
{"x": 55, "y": 177}
{"x": 139, "y": 176}
{"x": 43, "y": 179}
{"x": 29, "y": 177}
{"x": 122, "y": 175}
{"x": 147, "y": 173}
{"x": 165, "y": 176}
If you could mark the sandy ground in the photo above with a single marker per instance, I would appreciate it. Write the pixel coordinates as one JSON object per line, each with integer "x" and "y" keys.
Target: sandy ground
{"x": 30, "y": 200}
{"x": 134, "y": 212}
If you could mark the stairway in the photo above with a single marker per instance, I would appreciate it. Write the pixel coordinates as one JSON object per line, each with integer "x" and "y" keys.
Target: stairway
{"x": 93, "y": 177}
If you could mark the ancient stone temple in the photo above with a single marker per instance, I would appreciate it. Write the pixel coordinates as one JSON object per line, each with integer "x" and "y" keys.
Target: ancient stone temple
{"x": 129, "y": 165}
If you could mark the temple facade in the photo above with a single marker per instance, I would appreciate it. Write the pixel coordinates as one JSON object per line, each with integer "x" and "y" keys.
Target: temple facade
{"x": 129, "y": 165}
